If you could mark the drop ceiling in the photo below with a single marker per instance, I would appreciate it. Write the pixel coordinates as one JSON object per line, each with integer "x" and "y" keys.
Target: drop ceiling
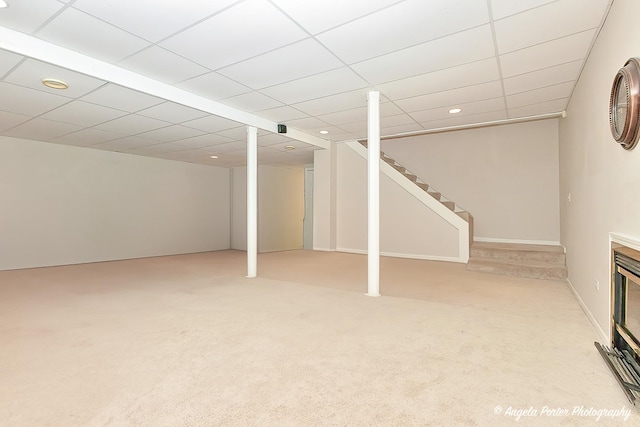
{"x": 182, "y": 80}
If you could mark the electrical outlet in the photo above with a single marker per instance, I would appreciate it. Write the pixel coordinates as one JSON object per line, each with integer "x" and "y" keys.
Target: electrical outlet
{"x": 597, "y": 285}
{"x": 569, "y": 197}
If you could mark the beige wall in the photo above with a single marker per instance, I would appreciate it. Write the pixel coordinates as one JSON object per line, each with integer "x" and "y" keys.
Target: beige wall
{"x": 506, "y": 176}
{"x": 280, "y": 208}
{"x": 603, "y": 179}
{"x": 407, "y": 227}
{"x": 65, "y": 205}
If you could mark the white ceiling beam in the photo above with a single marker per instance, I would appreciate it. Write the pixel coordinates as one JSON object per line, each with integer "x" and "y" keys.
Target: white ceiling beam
{"x": 32, "y": 47}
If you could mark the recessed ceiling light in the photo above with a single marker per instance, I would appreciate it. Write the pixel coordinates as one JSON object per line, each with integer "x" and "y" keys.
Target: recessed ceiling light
{"x": 324, "y": 132}
{"x": 214, "y": 157}
{"x": 454, "y": 111}
{"x": 3, "y": 4}
{"x": 54, "y": 83}
{"x": 289, "y": 147}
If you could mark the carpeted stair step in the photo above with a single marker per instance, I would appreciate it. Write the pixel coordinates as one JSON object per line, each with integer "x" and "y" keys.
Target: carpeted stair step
{"x": 449, "y": 204}
{"x": 526, "y": 270}
{"x": 435, "y": 194}
{"x": 411, "y": 176}
{"x": 545, "y": 262}
{"x": 422, "y": 185}
{"x": 399, "y": 168}
{"x": 512, "y": 252}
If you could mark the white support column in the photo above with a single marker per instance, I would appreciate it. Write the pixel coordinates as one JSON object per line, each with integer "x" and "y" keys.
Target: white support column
{"x": 252, "y": 201}
{"x": 373, "y": 144}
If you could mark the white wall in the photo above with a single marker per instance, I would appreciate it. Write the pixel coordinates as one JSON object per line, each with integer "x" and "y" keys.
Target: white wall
{"x": 65, "y": 205}
{"x": 239, "y": 208}
{"x": 506, "y": 176}
{"x": 280, "y": 208}
{"x": 407, "y": 227}
{"x": 324, "y": 199}
{"x": 603, "y": 179}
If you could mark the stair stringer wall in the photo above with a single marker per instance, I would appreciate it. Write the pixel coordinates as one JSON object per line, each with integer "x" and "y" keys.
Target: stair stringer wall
{"x": 426, "y": 229}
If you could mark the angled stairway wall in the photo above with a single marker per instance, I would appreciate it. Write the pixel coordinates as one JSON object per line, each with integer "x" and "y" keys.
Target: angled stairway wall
{"x": 413, "y": 224}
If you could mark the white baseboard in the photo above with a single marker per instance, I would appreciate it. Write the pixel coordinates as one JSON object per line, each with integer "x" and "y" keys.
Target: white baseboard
{"x": 409, "y": 256}
{"x": 519, "y": 241}
{"x": 323, "y": 249}
{"x": 606, "y": 340}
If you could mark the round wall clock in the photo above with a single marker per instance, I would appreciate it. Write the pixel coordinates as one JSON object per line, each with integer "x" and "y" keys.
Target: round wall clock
{"x": 624, "y": 104}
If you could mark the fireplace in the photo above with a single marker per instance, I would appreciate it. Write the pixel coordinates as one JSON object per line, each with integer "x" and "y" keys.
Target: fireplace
{"x": 623, "y": 358}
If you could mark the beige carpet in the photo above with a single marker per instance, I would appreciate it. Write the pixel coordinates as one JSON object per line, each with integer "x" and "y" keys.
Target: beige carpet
{"x": 189, "y": 341}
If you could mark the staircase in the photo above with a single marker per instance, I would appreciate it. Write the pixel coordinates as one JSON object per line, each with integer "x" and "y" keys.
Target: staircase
{"x": 545, "y": 262}
{"x": 430, "y": 191}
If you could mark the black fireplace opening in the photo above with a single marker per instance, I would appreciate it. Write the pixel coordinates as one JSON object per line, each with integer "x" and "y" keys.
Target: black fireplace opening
{"x": 623, "y": 357}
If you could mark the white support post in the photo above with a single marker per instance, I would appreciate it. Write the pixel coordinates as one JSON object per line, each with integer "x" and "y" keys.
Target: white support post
{"x": 373, "y": 144}
{"x": 252, "y": 201}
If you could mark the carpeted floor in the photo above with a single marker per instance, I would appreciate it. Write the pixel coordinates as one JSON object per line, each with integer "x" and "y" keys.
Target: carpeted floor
{"x": 189, "y": 341}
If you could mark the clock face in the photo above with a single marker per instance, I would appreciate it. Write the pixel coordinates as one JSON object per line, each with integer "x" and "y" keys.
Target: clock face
{"x": 621, "y": 106}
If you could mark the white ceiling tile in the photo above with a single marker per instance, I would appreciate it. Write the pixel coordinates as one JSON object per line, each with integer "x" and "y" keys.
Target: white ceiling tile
{"x": 155, "y": 149}
{"x": 126, "y": 143}
{"x": 222, "y": 147}
{"x": 89, "y": 136}
{"x": 347, "y": 116}
{"x": 161, "y": 18}
{"x": 316, "y": 17}
{"x": 397, "y": 120}
{"x": 503, "y": 8}
{"x": 549, "y": 22}
{"x": 247, "y": 29}
{"x": 271, "y": 139}
{"x": 468, "y": 109}
{"x": 171, "y": 133}
{"x": 30, "y": 102}
{"x": 541, "y": 78}
{"x": 9, "y": 120}
{"x": 214, "y": 86}
{"x": 457, "y": 49}
{"x": 83, "y": 114}
{"x": 308, "y": 123}
{"x": 282, "y": 114}
{"x": 121, "y": 98}
{"x": 482, "y": 71}
{"x": 132, "y": 124}
{"x": 204, "y": 141}
{"x": 356, "y": 127}
{"x": 420, "y": 21}
{"x": 172, "y": 112}
{"x": 211, "y": 124}
{"x": 291, "y": 62}
{"x": 474, "y": 119}
{"x": 400, "y": 129}
{"x": 550, "y": 93}
{"x": 554, "y": 106}
{"x": 31, "y": 72}
{"x": 237, "y": 133}
{"x": 316, "y": 86}
{"x": 26, "y": 16}
{"x": 252, "y": 101}
{"x": 328, "y": 104}
{"x": 355, "y": 114}
{"x": 452, "y": 98}
{"x": 41, "y": 130}
{"x": 83, "y": 33}
{"x": 152, "y": 62}
{"x": 546, "y": 55}
{"x": 8, "y": 60}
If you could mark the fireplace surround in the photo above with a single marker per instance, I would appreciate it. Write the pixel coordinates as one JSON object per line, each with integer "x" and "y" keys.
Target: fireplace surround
{"x": 623, "y": 357}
